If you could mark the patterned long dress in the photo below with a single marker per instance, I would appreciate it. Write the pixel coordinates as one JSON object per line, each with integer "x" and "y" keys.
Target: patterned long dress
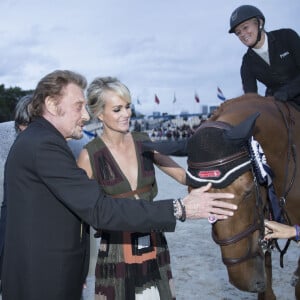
{"x": 129, "y": 262}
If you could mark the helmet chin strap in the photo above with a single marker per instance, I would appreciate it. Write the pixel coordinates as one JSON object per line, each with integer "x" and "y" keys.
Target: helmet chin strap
{"x": 260, "y": 29}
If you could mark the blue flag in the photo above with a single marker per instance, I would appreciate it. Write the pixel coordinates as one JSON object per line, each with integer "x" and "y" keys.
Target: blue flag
{"x": 221, "y": 95}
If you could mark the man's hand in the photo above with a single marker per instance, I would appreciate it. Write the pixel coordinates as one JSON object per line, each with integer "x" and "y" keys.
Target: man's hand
{"x": 201, "y": 204}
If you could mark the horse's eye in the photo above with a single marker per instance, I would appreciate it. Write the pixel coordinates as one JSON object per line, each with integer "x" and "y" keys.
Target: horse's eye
{"x": 247, "y": 194}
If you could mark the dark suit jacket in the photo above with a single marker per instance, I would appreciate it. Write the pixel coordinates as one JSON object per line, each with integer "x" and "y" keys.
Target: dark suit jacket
{"x": 49, "y": 199}
{"x": 283, "y": 73}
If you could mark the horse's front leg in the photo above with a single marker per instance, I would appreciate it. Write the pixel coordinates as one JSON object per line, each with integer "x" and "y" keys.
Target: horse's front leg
{"x": 268, "y": 294}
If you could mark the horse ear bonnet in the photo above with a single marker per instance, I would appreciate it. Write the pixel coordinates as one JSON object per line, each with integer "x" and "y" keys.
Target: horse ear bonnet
{"x": 243, "y": 131}
{"x": 217, "y": 153}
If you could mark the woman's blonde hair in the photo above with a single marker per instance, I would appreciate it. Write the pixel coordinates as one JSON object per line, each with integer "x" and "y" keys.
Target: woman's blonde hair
{"x": 97, "y": 89}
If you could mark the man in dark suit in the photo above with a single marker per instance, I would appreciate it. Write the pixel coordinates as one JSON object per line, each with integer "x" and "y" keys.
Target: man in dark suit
{"x": 21, "y": 120}
{"x": 50, "y": 201}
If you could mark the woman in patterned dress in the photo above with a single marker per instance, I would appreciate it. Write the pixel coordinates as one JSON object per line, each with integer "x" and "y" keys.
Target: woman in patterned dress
{"x": 130, "y": 265}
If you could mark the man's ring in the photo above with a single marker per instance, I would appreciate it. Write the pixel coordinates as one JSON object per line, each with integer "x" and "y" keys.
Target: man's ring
{"x": 212, "y": 219}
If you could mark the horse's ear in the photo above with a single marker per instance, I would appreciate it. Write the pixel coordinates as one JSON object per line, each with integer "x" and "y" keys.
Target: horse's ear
{"x": 243, "y": 131}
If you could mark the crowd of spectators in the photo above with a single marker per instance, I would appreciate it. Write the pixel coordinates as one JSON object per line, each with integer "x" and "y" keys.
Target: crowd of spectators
{"x": 174, "y": 129}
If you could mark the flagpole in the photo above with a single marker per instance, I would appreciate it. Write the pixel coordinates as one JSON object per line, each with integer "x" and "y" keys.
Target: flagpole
{"x": 174, "y": 101}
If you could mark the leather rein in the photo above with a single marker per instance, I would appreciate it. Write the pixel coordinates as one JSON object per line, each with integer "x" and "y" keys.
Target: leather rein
{"x": 291, "y": 153}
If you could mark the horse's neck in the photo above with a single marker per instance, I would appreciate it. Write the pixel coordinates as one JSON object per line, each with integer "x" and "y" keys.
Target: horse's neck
{"x": 272, "y": 127}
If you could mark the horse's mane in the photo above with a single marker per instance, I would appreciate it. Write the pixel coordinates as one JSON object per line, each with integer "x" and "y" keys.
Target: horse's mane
{"x": 243, "y": 98}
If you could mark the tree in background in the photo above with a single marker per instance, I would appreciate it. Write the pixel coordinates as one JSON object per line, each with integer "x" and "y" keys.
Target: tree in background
{"x": 8, "y": 100}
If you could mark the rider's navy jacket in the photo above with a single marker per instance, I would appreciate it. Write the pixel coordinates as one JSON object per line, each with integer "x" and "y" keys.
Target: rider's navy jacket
{"x": 283, "y": 73}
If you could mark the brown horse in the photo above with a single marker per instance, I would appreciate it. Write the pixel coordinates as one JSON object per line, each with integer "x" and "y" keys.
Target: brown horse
{"x": 240, "y": 237}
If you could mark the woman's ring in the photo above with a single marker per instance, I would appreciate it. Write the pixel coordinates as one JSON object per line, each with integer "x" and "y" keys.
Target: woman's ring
{"x": 212, "y": 219}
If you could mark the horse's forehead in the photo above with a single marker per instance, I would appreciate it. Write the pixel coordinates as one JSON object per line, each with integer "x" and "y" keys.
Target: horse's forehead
{"x": 209, "y": 143}
{"x": 218, "y": 152}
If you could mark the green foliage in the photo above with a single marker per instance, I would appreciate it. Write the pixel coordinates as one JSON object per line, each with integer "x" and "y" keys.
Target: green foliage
{"x": 8, "y": 100}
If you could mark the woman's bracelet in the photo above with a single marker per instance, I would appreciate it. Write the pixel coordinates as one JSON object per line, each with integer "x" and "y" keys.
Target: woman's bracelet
{"x": 179, "y": 210}
{"x": 297, "y": 237}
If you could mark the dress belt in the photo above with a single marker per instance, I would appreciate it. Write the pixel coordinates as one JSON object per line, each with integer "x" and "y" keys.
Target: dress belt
{"x": 144, "y": 189}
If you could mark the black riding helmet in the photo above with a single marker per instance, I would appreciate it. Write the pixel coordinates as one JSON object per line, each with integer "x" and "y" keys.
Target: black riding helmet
{"x": 244, "y": 13}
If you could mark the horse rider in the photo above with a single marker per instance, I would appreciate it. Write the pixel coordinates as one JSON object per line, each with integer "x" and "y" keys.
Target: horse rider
{"x": 273, "y": 57}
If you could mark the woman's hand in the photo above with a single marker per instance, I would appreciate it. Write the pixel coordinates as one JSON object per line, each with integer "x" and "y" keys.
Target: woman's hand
{"x": 275, "y": 230}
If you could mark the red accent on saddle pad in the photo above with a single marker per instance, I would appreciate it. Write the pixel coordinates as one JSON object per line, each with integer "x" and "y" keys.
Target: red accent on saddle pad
{"x": 211, "y": 173}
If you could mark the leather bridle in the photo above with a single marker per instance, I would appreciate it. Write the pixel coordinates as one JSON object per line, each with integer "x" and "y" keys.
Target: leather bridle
{"x": 257, "y": 224}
